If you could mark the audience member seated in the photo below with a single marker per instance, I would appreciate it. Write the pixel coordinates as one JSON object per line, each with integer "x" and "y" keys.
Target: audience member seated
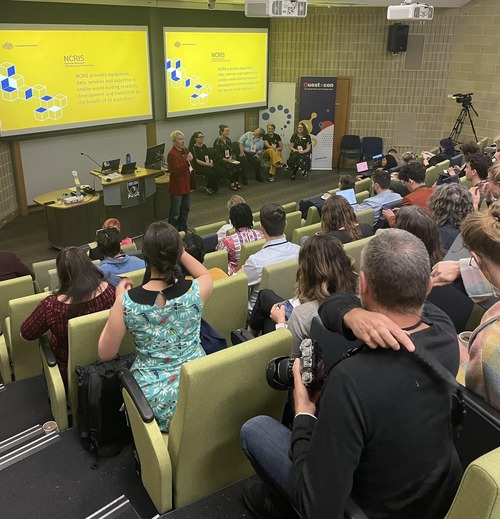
{"x": 111, "y": 223}
{"x": 235, "y": 199}
{"x": 12, "y": 267}
{"x": 475, "y": 168}
{"x": 300, "y": 152}
{"x": 418, "y": 221}
{"x": 164, "y": 318}
{"x": 339, "y": 220}
{"x": 345, "y": 182}
{"x": 383, "y": 195}
{"x": 324, "y": 268}
{"x": 83, "y": 289}
{"x": 223, "y": 157}
{"x": 193, "y": 245}
{"x": 273, "y": 146}
{"x": 481, "y": 235}
{"x": 449, "y": 205}
{"x": 276, "y": 249}
{"x": 115, "y": 261}
{"x": 203, "y": 163}
{"x": 451, "y": 299}
{"x": 413, "y": 177}
{"x": 251, "y": 147}
{"x": 240, "y": 216}
{"x": 395, "y": 154}
{"x": 387, "y": 162}
{"x": 446, "y": 151}
{"x": 366, "y": 439}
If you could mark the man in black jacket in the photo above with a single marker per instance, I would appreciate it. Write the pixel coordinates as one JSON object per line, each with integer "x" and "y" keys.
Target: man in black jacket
{"x": 382, "y": 434}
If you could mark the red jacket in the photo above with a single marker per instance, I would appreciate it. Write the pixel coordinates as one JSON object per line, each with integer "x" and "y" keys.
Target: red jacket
{"x": 178, "y": 168}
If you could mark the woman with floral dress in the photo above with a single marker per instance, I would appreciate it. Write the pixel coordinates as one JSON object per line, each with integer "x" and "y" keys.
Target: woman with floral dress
{"x": 164, "y": 318}
{"x": 300, "y": 152}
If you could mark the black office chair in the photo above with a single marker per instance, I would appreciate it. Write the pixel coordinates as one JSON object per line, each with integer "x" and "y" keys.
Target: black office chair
{"x": 350, "y": 148}
{"x": 371, "y": 147}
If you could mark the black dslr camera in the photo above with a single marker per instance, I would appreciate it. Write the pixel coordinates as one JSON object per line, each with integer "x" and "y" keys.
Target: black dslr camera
{"x": 279, "y": 371}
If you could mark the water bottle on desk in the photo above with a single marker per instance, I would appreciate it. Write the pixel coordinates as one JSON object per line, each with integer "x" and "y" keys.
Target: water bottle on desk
{"x": 128, "y": 158}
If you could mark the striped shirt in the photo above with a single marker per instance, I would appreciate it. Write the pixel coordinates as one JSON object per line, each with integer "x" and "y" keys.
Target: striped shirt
{"x": 233, "y": 245}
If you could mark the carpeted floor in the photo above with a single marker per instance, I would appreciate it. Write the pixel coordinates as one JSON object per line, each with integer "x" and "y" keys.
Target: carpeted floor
{"x": 27, "y": 235}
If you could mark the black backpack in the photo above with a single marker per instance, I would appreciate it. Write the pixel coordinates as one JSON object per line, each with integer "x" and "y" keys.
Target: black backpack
{"x": 102, "y": 426}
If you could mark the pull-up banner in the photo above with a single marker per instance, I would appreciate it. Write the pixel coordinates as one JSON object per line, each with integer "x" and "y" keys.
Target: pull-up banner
{"x": 317, "y": 113}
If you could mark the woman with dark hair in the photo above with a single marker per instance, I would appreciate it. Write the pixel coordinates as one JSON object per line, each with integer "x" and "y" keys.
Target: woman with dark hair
{"x": 300, "y": 152}
{"x": 446, "y": 151}
{"x": 164, "y": 318}
{"x": 83, "y": 289}
{"x": 449, "y": 205}
{"x": 418, "y": 221}
{"x": 388, "y": 162}
{"x": 324, "y": 268}
{"x": 203, "y": 164}
{"x": 339, "y": 219}
{"x": 240, "y": 216}
{"x": 224, "y": 159}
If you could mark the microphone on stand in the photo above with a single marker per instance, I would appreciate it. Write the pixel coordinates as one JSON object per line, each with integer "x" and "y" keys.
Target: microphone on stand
{"x": 94, "y": 161}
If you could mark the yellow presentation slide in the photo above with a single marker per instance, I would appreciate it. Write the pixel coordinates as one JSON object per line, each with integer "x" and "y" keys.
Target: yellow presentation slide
{"x": 59, "y": 77}
{"x": 209, "y": 70}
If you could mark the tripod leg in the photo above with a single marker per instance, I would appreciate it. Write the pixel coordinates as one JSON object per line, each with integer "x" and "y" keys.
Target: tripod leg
{"x": 472, "y": 126}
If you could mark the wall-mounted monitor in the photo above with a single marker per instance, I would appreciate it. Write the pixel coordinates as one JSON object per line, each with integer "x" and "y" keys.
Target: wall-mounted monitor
{"x": 214, "y": 70}
{"x": 57, "y": 77}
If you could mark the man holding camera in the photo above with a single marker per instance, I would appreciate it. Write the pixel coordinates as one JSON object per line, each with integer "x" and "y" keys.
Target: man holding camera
{"x": 382, "y": 433}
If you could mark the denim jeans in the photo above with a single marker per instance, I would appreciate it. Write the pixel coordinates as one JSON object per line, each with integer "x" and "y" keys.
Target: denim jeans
{"x": 265, "y": 443}
{"x": 254, "y": 161}
{"x": 179, "y": 210}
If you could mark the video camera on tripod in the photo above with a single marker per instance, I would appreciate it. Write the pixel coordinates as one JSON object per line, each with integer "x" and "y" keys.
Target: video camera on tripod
{"x": 464, "y": 99}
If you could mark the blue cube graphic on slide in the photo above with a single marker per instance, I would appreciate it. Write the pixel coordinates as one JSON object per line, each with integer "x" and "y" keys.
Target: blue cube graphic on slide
{"x": 13, "y": 88}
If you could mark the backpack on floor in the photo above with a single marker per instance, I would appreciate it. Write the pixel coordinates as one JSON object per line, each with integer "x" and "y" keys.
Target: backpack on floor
{"x": 101, "y": 424}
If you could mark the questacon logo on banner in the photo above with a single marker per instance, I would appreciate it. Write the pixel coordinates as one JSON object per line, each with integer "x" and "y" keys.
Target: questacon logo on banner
{"x": 317, "y": 113}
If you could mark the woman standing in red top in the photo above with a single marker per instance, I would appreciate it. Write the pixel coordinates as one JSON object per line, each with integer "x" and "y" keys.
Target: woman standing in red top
{"x": 179, "y": 166}
{"x": 83, "y": 290}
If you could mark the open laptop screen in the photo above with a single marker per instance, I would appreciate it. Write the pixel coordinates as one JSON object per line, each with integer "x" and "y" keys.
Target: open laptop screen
{"x": 108, "y": 166}
{"x": 361, "y": 167}
{"x": 348, "y": 194}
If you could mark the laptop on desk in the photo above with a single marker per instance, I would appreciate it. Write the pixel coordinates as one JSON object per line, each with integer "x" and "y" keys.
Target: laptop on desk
{"x": 128, "y": 169}
{"x": 362, "y": 168}
{"x": 110, "y": 166}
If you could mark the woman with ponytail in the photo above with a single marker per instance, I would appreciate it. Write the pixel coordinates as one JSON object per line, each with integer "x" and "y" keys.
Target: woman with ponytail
{"x": 164, "y": 318}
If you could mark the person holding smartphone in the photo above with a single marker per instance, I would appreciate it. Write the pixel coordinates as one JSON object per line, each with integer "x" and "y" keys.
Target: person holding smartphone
{"x": 324, "y": 268}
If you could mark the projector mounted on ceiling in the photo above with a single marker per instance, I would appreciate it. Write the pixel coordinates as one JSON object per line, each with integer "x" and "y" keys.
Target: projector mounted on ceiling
{"x": 276, "y": 8}
{"x": 410, "y": 11}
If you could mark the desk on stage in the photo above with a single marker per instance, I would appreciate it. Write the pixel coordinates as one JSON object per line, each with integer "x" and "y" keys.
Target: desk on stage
{"x": 70, "y": 224}
{"x": 131, "y": 199}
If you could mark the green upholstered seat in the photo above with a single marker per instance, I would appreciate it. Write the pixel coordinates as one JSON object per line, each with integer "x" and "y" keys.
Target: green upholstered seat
{"x": 23, "y": 354}
{"x": 363, "y": 185}
{"x": 83, "y": 338}
{"x": 307, "y": 230}
{"x": 354, "y": 249}
{"x": 227, "y": 307}
{"x": 280, "y": 277}
{"x": 217, "y": 395}
{"x": 216, "y": 259}
{"x": 478, "y": 496}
